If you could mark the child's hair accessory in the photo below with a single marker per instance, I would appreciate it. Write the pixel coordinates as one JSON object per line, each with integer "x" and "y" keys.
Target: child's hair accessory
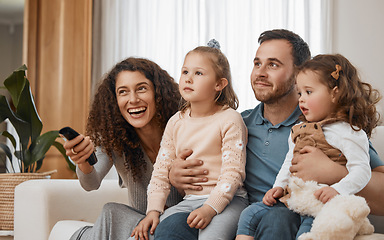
{"x": 335, "y": 74}
{"x": 213, "y": 44}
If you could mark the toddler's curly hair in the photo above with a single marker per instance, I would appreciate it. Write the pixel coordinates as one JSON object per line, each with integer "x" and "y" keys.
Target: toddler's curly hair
{"x": 356, "y": 100}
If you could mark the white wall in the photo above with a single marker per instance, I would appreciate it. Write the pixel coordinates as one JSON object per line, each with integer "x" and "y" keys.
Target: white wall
{"x": 358, "y": 34}
{"x": 11, "y": 46}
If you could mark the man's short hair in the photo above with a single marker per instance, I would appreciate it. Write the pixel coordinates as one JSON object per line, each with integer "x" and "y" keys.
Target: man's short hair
{"x": 300, "y": 49}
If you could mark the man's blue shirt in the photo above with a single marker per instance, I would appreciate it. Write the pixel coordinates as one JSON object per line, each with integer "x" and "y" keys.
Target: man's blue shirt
{"x": 266, "y": 150}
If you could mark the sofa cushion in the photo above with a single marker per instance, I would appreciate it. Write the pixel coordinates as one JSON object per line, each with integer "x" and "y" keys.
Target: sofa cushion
{"x": 64, "y": 229}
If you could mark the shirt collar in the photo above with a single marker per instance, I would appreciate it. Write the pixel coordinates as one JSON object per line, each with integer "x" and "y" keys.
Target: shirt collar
{"x": 259, "y": 114}
{"x": 292, "y": 119}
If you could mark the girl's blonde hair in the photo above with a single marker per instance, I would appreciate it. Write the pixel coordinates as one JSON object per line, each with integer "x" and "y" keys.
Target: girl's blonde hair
{"x": 222, "y": 69}
{"x": 355, "y": 99}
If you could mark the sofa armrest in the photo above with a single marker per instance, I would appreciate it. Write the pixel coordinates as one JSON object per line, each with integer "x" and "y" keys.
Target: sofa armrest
{"x": 39, "y": 204}
{"x": 377, "y": 140}
{"x": 378, "y": 223}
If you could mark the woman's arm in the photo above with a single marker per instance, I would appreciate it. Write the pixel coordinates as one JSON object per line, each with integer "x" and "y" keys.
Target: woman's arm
{"x": 92, "y": 180}
{"x": 90, "y": 177}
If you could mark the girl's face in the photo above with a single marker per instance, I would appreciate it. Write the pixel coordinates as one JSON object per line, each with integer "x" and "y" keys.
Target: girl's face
{"x": 136, "y": 98}
{"x": 198, "y": 81}
{"x": 317, "y": 101}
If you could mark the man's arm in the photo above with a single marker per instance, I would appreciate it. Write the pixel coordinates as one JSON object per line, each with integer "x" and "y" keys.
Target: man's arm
{"x": 182, "y": 174}
{"x": 374, "y": 191}
{"x": 313, "y": 164}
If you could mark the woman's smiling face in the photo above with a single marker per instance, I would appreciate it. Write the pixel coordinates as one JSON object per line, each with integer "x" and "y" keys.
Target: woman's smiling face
{"x": 136, "y": 98}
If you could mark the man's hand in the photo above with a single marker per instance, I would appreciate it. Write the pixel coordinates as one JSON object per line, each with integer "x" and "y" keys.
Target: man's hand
{"x": 271, "y": 195}
{"x": 313, "y": 164}
{"x": 182, "y": 174}
{"x": 201, "y": 217}
{"x": 141, "y": 230}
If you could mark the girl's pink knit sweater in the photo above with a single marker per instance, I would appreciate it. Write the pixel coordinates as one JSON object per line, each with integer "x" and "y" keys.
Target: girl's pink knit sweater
{"x": 219, "y": 140}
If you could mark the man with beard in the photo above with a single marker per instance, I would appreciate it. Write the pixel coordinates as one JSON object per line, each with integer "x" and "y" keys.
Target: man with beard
{"x": 269, "y": 124}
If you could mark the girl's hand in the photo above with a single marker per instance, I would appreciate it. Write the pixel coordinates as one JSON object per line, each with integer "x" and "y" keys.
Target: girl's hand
{"x": 325, "y": 194}
{"x": 270, "y": 197}
{"x": 201, "y": 217}
{"x": 141, "y": 230}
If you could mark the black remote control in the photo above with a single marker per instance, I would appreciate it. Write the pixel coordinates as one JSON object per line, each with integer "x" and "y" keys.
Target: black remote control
{"x": 70, "y": 134}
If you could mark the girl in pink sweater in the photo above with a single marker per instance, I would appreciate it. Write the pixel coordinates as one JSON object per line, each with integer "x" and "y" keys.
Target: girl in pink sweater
{"x": 209, "y": 125}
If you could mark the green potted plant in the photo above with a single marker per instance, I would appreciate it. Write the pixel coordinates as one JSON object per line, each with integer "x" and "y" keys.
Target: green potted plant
{"x": 30, "y": 146}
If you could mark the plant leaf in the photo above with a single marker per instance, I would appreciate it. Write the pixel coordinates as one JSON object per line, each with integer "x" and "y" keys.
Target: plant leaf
{"x": 15, "y": 83}
{"x": 22, "y": 127}
{"x": 26, "y": 110}
{"x": 9, "y": 155}
{"x": 42, "y": 144}
{"x": 25, "y": 159}
{"x": 61, "y": 149}
{"x": 6, "y": 150}
{"x": 39, "y": 163}
{"x": 10, "y": 137}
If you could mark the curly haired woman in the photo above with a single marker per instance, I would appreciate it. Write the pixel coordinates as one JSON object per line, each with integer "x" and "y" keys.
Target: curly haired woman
{"x": 126, "y": 122}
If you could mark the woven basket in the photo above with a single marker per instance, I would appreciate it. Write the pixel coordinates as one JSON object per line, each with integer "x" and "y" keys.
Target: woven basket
{"x": 8, "y": 182}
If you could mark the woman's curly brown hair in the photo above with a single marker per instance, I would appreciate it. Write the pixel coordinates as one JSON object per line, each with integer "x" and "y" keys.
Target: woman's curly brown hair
{"x": 107, "y": 127}
{"x": 356, "y": 100}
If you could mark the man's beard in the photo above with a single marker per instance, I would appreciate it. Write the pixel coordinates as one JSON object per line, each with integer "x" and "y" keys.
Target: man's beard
{"x": 278, "y": 93}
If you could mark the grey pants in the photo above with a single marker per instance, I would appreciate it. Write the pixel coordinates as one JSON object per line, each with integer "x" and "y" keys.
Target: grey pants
{"x": 223, "y": 226}
{"x": 116, "y": 222}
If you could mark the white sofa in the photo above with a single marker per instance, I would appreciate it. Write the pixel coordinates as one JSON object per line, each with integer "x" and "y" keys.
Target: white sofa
{"x": 40, "y": 204}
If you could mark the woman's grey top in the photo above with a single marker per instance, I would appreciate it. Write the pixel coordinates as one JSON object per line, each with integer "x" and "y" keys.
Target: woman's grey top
{"x": 137, "y": 190}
